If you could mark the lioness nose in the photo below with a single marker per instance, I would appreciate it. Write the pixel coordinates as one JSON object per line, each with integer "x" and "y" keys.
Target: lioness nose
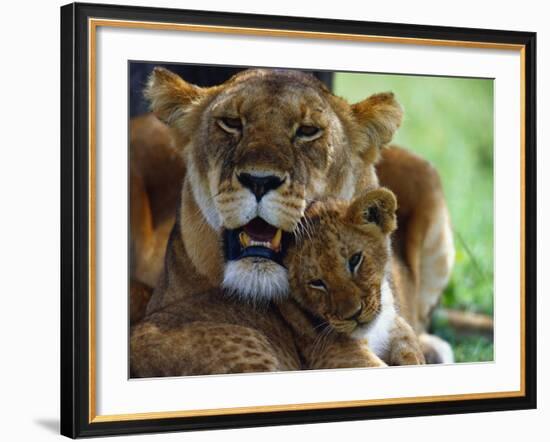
{"x": 259, "y": 185}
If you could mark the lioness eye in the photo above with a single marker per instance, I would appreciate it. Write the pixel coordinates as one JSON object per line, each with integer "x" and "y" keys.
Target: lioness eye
{"x": 318, "y": 285}
{"x": 308, "y": 132}
{"x": 355, "y": 261}
{"x": 231, "y": 125}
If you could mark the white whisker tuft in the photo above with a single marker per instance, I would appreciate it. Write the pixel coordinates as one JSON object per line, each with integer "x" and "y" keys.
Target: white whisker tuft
{"x": 255, "y": 281}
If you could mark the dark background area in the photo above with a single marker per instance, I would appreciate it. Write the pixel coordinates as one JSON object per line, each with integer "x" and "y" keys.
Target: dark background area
{"x": 199, "y": 75}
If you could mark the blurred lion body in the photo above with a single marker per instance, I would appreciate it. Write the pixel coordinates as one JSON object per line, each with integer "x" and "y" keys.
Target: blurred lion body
{"x": 338, "y": 164}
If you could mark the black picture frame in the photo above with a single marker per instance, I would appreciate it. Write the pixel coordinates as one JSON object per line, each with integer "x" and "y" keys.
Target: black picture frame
{"x": 75, "y": 219}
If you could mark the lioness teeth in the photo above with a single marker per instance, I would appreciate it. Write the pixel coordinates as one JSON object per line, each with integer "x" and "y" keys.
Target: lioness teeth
{"x": 244, "y": 239}
{"x": 276, "y": 241}
{"x": 274, "y": 244}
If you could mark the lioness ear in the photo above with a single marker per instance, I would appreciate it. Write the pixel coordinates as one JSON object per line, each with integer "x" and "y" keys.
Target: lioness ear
{"x": 169, "y": 95}
{"x": 380, "y": 115}
{"x": 375, "y": 207}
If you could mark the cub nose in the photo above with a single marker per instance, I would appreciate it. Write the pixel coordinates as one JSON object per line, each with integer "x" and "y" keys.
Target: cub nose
{"x": 356, "y": 313}
{"x": 259, "y": 185}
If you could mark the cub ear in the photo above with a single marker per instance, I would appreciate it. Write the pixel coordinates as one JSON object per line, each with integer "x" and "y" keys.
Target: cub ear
{"x": 375, "y": 207}
{"x": 380, "y": 115}
{"x": 169, "y": 95}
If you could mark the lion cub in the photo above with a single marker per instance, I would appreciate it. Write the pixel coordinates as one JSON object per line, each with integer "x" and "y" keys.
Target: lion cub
{"x": 342, "y": 305}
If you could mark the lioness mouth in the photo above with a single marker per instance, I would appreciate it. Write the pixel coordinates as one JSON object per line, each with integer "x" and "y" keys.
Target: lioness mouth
{"x": 256, "y": 239}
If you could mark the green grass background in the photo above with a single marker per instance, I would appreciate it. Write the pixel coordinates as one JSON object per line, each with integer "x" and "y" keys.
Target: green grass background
{"x": 449, "y": 121}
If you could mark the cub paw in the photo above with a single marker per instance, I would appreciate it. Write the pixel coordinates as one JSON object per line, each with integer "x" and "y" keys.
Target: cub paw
{"x": 436, "y": 350}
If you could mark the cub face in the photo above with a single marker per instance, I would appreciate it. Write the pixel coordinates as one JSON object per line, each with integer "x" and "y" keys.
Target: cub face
{"x": 337, "y": 268}
{"x": 261, "y": 146}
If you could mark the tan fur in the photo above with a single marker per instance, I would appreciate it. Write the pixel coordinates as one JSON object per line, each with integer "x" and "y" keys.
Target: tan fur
{"x": 349, "y": 299}
{"x": 211, "y": 334}
{"x": 425, "y": 233}
{"x": 156, "y": 173}
{"x": 320, "y": 347}
{"x": 423, "y": 243}
{"x": 405, "y": 348}
{"x": 141, "y": 294}
{"x": 271, "y": 104}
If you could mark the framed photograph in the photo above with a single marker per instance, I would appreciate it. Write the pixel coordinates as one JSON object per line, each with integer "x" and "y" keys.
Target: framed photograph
{"x": 276, "y": 220}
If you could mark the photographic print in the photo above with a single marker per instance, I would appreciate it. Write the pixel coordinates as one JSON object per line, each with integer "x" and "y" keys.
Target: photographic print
{"x": 285, "y": 220}
{"x": 276, "y": 220}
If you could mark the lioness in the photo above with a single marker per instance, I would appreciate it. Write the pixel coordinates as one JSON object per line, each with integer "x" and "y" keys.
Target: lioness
{"x": 257, "y": 150}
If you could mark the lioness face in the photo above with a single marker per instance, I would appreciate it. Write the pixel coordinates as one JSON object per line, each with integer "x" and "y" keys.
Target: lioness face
{"x": 271, "y": 146}
{"x": 338, "y": 273}
{"x": 259, "y": 149}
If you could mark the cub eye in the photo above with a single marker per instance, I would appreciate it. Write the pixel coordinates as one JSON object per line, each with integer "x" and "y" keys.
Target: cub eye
{"x": 308, "y": 133}
{"x": 355, "y": 261}
{"x": 318, "y": 284}
{"x": 231, "y": 125}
